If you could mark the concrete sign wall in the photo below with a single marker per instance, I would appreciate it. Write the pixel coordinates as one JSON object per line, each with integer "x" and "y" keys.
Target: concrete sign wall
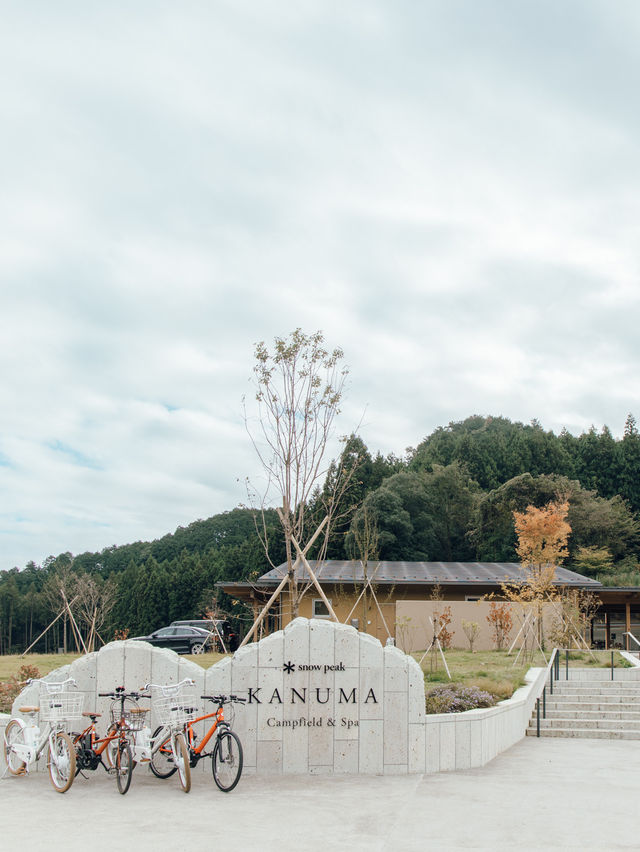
{"x": 323, "y": 698}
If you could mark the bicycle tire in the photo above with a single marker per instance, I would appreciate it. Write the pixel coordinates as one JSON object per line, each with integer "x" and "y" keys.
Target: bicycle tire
{"x": 162, "y": 763}
{"x": 226, "y": 761}
{"x": 14, "y": 733}
{"x": 62, "y": 765}
{"x": 124, "y": 767}
{"x": 181, "y": 758}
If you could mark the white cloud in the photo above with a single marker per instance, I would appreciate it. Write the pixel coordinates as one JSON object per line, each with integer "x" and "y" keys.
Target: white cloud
{"x": 450, "y": 191}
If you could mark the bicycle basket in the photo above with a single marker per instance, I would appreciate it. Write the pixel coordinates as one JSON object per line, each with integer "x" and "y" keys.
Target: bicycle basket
{"x": 177, "y": 708}
{"x": 132, "y": 715}
{"x": 60, "y": 706}
{"x": 229, "y": 713}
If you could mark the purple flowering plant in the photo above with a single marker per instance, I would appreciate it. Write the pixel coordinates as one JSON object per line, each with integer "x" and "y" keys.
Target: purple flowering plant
{"x": 456, "y": 698}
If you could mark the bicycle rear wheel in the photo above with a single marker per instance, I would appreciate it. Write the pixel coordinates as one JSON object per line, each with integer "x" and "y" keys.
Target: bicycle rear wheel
{"x": 124, "y": 767}
{"x": 162, "y": 762}
{"x": 14, "y": 735}
{"x": 62, "y": 762}
{"x": 226, "y": 761}
{"x": 181, "y": 758}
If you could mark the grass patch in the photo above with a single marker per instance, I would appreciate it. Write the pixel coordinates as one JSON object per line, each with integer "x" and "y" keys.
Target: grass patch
{"x": 10, "y": 664}
{"x": 491, "y": 671}
{"x": 45, "y": 663}
{"x": 205, "y": 660}
{"x": 495, "y": 673}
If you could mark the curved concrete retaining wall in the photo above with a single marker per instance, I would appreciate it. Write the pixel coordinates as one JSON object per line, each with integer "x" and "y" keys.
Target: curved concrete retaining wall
{"x": 322, "y": 699}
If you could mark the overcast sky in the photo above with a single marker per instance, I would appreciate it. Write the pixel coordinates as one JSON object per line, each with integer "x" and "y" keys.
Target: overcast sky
{"x": 449, "y": 190}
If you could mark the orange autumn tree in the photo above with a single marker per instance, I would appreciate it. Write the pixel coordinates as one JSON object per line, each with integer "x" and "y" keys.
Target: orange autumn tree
{"x": 542, "y": 542}
{"x": 542, "y": 546}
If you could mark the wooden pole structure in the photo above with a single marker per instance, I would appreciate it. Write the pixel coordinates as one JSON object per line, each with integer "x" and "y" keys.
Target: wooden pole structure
{"x": 436, "y": 641}
{"x": 284, "y": 581}
{"x": 266, "y": 608}
{"x": 314, "y": 579}
{"x": 364, "y": 589}
{"x": 59, "y": 615}
{"x": 74, "y": 624}
{"x": 513, "y": 644}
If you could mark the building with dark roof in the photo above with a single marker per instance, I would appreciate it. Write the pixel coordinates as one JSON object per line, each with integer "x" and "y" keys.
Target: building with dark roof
{"x": 398, "y": 584}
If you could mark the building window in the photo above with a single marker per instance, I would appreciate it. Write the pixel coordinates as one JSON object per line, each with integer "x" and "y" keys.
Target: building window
{"x": 472, "y": 598}
{"x": 320, "y": 608}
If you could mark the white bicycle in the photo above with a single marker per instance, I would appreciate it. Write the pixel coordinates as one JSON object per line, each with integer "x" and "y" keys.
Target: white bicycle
{"x": 175, "y": 706}
{"x": 24, "y": 742}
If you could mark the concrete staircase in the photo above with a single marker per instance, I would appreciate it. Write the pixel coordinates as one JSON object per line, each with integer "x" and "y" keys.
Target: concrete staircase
{"x": 591, "y": 708}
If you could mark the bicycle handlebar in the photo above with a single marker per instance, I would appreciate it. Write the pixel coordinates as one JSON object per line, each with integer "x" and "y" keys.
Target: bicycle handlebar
{"x": 169, "y": 688}
{"x": 54, "y": 683}
{"x": 120, "y": 693}
{"x": 224, "y": 699}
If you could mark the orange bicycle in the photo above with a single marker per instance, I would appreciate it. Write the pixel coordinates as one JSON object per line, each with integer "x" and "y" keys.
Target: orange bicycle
{"x": 113, "y": 751}
{"x": 226, "y": 755}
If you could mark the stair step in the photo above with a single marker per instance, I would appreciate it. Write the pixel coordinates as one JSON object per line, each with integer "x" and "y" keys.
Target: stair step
{"x": 611, "y": 692}
{"x": 597, "y": 709}
{"x": 597, "y": 704}
{"x": 586, "y": 733}
{"x": 613, "y": 724}
{"x": 589, "y": 712}
{"x": 577, "y": 685}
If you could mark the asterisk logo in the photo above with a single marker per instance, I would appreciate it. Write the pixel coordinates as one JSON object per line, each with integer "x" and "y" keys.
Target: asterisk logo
{"x": 289, "y": 667}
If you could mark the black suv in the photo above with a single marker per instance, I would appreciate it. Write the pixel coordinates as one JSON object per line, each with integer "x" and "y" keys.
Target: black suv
{"x": 224, "y": 628}
{"x": 181, "y": 638}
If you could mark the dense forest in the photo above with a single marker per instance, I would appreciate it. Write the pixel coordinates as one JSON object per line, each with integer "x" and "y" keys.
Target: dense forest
{"x": 451, "y": 498}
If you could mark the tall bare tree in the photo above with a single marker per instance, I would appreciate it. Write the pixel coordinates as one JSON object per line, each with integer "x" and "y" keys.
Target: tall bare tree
{"x": 299, "y": 386}
{"x": 96, "y": 598}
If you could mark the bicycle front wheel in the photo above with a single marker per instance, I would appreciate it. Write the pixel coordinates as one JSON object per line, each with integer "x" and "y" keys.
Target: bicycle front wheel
{"x": 226, "y": 761}
{"x": 62, "y": 762}
{"x": 181, "y": 759}
{"x": 162, "y": 762}
{"x": 14, "y": 735}
{"x": 124, "y": 767}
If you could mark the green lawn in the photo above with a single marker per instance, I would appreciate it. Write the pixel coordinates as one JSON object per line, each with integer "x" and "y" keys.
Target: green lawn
{"x": 45, "y": 663}
{"x": 10, "y": 664}
{"x": 495, "y": 672}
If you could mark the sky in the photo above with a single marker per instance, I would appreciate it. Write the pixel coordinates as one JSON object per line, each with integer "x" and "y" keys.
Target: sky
{"x": 449, "y": 190}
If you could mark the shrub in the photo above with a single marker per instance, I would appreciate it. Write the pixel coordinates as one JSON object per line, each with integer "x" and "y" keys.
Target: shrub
{"x": 456, "y": 698}
{"x": 10, "y": 689}
{"x": 501, "y": 622}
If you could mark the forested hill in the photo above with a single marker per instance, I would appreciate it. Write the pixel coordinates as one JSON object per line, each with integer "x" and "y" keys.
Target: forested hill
{"x": 451, "y": 498}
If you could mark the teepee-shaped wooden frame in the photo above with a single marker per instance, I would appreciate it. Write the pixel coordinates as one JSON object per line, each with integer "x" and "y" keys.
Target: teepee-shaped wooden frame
{"x": 301, "y": 558}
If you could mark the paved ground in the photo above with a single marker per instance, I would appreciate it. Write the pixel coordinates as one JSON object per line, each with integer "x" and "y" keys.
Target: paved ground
{"x": 541, "y": 794}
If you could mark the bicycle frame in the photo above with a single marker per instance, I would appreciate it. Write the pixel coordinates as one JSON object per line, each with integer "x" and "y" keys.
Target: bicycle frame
{"x": 197, "y": 751}
{"x": 97, "y": 745}
{"x": 35, "y": 741}
{"x": 54, "y": 705}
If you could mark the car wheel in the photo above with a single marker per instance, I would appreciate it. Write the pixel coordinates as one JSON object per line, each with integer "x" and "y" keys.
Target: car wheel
{"x": 198, "y": 648}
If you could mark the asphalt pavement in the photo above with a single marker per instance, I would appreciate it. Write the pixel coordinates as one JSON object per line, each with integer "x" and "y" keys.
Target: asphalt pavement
{"x": 542, "y": 794}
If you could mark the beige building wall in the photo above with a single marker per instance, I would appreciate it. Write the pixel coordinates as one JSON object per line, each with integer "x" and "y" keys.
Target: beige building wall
{"x": 415, "y": 633}
{"x": 407, "y": 621}
{"x": 367, "y": 619}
